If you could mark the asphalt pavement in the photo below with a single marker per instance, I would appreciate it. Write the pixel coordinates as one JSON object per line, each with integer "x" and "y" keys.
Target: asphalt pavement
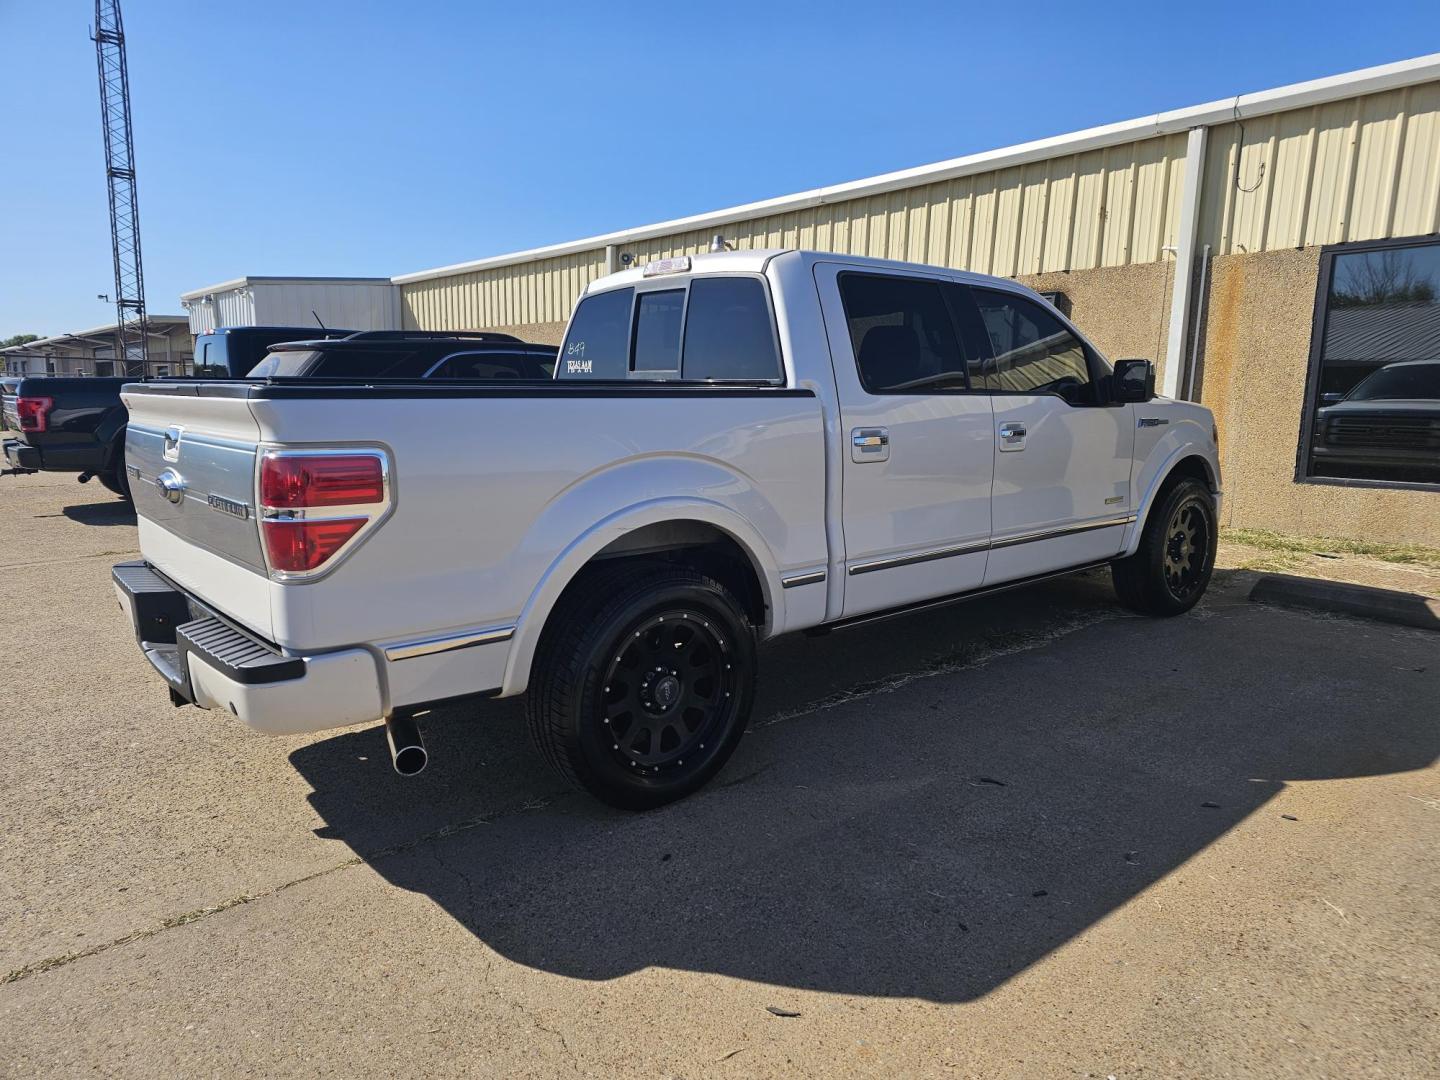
{"x": 1028, "y": 836}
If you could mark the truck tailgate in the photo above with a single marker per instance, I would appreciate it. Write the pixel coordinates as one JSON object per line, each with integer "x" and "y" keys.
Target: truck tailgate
{"x": 191, "y": 461}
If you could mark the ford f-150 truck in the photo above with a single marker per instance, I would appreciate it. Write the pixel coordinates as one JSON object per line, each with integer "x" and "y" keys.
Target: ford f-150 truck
{"x": 734, "y": 446}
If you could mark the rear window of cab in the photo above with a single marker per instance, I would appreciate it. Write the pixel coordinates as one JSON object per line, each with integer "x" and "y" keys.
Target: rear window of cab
{"x": 709, "y": 329}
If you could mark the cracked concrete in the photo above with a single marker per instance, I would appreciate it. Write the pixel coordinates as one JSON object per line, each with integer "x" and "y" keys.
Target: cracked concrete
{"x": 1027, "y": 836}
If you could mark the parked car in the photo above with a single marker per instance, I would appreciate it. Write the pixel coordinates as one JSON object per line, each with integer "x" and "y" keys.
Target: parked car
{"x": 1386, "y": 428}
{"x": 410, "y": 355}
{"x": 65, "y": 425}
{"x": 736, "y": 446}
{"x": 78, "y": 424}
{"x": 228, "y": 352}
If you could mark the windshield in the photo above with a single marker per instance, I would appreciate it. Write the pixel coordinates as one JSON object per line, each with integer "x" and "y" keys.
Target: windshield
{"x": 1399, "y": 382}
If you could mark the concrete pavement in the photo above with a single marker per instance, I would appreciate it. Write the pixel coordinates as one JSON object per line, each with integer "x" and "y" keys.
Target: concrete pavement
{"x": 1027, "y": 836}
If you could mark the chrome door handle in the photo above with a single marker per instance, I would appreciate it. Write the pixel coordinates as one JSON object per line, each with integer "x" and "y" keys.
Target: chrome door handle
{"x": 1012, "y": 436}
{"x": 870, "y": 444}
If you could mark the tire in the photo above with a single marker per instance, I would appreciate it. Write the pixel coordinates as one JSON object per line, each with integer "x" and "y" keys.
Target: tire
{"x": 117, "y": 479}
{"x": 634, "y": 733}
{"x": 1171, "y": 568}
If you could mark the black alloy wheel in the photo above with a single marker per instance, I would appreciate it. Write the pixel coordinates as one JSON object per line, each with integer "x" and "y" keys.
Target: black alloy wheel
{"x": 643, "y": 682}
{"x": 670, "y": 689}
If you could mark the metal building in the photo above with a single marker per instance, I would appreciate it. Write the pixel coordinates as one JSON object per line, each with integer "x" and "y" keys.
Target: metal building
{"x": 92, "y": 352}
{"x": 1216, "y": 239}
{"x": 353, "y": 303}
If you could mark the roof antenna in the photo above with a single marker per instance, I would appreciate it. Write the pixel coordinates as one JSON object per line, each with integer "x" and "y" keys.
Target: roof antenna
{"x": 317, "y": 319}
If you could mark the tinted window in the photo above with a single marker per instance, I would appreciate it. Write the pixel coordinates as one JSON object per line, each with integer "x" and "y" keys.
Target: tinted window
{"x": 495, "y": 365}
{"x": 336, "y": 364}
{"x": 902, "y": 334}
{"x": 210, "y": 363}
{"x": 1377, "y": 409}
{"x": 1031, "y": 351}
{"x": 658, "y": 318}
{"x": 728, "y": 331}
{"x": 595, "y": 346}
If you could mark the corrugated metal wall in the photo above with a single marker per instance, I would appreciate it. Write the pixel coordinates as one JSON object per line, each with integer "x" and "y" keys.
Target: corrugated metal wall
{"x": 355, "y": 305}
{"x": 1103, "y": 208}
{"x": 231, "y": 307}
{"x": 1361, "y": 169}
{"x": 538, "y": 292}
{"x": 1364, "y": 168}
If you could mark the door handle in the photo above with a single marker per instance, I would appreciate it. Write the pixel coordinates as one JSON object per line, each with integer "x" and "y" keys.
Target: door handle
{"x": 870, "y": 444}
{"x": 1012, "y": 436}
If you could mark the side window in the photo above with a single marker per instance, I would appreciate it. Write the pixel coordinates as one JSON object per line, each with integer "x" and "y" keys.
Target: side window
{"x": 488, "y": 365}
{"x": 357, "y": 364}
{"x": 596, "y": 344}
{"x": 902, "y": 333}
{"x": 1032, "y": 352}
{"x": 658, "y": 320}
{"x": 729, "y": 335}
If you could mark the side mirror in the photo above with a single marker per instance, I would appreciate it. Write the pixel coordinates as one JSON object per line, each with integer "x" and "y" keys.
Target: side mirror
{"x": 1331, "y": 399}
{"x": 1134, "y": 380}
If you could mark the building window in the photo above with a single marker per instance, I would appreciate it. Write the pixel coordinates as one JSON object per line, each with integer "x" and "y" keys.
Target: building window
{"x": 1373, "y": 409}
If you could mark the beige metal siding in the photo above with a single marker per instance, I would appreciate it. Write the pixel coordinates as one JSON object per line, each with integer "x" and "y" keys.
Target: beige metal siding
{"x": 1356, "y": 169}
{"x": 1361, "y": 169}
{"x": 1103, "y": 208}
{"x": 523, "y": 293}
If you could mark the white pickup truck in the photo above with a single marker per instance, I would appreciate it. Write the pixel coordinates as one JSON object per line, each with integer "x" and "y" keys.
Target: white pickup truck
{"x": 734, "y": 446}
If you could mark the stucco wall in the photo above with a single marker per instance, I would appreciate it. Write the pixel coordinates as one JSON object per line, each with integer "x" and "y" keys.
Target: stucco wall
{"x": 543, "y": 333}
{"x": 1255, "y": 353}
{"x": 1124, "y": 310}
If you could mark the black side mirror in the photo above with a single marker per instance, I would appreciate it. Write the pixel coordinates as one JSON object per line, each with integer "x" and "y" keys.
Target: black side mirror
{"x": 1331, "y": 399}
{"x": 1134, "y": 380}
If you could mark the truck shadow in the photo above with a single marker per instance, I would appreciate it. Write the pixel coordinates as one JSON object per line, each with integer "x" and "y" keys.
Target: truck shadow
{"x": 115, "y": 511}
{"x": 930, "y": 840}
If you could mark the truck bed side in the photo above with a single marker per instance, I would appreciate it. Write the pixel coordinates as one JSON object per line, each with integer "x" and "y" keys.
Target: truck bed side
{"x": 498, "y": 496}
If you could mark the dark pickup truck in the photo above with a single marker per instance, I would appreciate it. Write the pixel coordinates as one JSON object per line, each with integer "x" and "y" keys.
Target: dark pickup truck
{"x": 66, "y": 425}
{"x": 78, "y": 425}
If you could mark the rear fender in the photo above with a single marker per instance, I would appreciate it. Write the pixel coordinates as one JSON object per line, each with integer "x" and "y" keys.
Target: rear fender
{"x": 577, "y": 555}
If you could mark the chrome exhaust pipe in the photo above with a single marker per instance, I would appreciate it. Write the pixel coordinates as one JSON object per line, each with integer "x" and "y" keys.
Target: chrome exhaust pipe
{"x": 407, "y": 749}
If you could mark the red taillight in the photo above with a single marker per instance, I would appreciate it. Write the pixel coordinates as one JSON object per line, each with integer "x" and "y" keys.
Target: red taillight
{"x": 34, "y": 412}
{"x": 300, "y": 499}
{"x": 295, "y": 546}
{"x": 295, "y": 481}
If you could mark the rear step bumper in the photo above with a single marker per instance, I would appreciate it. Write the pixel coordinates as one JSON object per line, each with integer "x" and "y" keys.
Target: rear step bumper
{"x": 22, "y": 456}
{"x": 206, "y": 661}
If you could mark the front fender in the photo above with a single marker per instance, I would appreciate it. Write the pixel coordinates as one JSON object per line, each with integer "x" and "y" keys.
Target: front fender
{"x": 1183, "y": 439}
{"x": 596, "y": 537}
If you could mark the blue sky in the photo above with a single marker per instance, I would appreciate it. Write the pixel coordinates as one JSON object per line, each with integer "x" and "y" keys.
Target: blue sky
{"x": 378, "y": 138}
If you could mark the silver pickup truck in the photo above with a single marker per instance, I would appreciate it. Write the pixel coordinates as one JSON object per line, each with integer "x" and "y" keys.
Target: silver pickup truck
{"x": 734, "y": 446}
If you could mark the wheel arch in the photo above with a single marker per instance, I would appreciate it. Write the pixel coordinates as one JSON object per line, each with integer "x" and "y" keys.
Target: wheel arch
{"x": 692, "y": 532}
{"x": 1185, "y": 462}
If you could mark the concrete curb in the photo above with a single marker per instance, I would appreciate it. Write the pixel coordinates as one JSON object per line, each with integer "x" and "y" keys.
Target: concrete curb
{"x": 1315, "y": 594}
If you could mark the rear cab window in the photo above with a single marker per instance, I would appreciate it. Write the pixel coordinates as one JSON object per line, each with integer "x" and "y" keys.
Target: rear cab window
{"x": 707, "y": 329}
{"x": 210, "y": 362}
